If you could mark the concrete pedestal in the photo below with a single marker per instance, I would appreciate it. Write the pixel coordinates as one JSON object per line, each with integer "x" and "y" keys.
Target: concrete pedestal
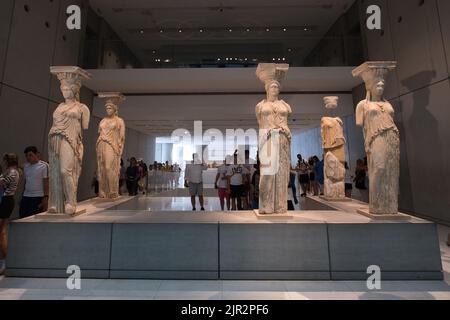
{"x": 396, "y": 217}
{"x": 311, "y": 245}
{"x": 47, "y": 215}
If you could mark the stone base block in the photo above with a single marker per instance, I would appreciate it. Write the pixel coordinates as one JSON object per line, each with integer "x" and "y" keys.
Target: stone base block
{"x": 396, "y": 217}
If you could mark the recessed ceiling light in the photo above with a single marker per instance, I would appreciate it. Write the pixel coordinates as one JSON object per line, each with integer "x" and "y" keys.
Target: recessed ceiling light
{"x": 167, "y": 60}
{"x": 141, "y": 31}
{"x": 248, "y": 30}
{"x": 267, "y": 29}
{"x": 154, "y": 51}
{"x": 161, "y": 30}
{"x": 284, "y": 29}
{"x": 201, "y": 30}
{"x": 179, "y": 30}
{"x": 289, "y": 50}
{"x": 230, "y": 30}
{"x": 306, "y": 29}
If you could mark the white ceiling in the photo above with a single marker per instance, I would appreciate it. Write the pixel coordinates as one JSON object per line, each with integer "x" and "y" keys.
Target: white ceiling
{"x": 162, "y": 100}
{"x": 138, "y": 24}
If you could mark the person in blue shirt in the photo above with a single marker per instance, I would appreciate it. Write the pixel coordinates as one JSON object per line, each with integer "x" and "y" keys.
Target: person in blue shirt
{"x": 318, "y": 170}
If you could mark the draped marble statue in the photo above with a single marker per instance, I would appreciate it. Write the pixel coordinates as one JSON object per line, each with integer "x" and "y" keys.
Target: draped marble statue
{"x": 65, "y": 141}
{"x": 333, "y": 143}
{"x": 382, "y": 139}
{"x": 109, "y": 147}
{"x": 274, "y": 141}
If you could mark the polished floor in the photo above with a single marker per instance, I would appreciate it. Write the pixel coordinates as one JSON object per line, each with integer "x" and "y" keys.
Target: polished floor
{"x": 176, "y": 200}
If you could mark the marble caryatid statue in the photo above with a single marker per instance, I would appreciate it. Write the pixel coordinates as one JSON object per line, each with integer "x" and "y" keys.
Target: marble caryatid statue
{"x": 382, "y": 138}
{"x": 109, "y": 148}
{"x": 274, "y": 141}
{"x": 333, "y": 143}
{"x": 65, "y": 142}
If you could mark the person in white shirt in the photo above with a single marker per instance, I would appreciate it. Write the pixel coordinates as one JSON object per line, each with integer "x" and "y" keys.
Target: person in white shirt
{"x": 222, "y": 183}
{"x": 194, "y": 180}
{"x": 35, "y": 195}
{"x": 237, "y": 174}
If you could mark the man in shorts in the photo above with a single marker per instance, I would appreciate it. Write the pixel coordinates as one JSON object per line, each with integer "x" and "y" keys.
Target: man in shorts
{"x": 237, "y": 173}
{"x": 222, "y": 183}
{"x": 194, "y": 180}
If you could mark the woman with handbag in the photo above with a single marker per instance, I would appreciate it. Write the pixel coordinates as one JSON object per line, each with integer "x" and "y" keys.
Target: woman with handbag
{"x": 9, "y": 182}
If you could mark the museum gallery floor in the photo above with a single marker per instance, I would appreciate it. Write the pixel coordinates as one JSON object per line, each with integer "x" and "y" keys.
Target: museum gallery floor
{"x": 125, "y": 239}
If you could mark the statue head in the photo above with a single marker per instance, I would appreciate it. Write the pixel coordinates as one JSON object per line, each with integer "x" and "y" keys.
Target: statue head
{"x": 111, "y": 109}
{"x": 377, "y": 87}
{"x": 271, "y": 75}
{"x": 70, "y": 91}
{"x": 273, "y": 88}
{"x": 70, "y": 78}
{"x": 112, "y": 102}
{"x": 374, "y": 74}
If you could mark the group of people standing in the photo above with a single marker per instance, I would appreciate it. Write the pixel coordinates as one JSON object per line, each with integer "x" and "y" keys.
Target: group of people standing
{"x": 236, "y": 182}
{"x": 310, "y": 176}
{"x": 34, "y": 200}
{"x": 139, "y": 179}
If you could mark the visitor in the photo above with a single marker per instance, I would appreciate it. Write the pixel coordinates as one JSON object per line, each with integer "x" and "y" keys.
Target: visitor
{"x": 255, "y": 186}
{"x": 313, "y": 177}
{"x": 9, "y": 181}
{"x": 303, "y": 175}
{"x": 348, "y": 181}
{"x": 292, "y": 176}
{"x": 194, "y": 180}
{"x": 237, "y": 174}
{"x": 360, "y": 180}
{"x": 132, "y": 175}
{"x": 249, "y": 166}
{"x": 1, "y": 189}
{"x": 318, "y": 171}
{"x": 151, "y": 178}
{"x": 95, "y": 184}
{"x": 35, "y": 195}
{"x": 222, "y": 183}
{"x": 159, "y": 177}
{"x": 122, "y": 176}
{"x": 143, "y": 176}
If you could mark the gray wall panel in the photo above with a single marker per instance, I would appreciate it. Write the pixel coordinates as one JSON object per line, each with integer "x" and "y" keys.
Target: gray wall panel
{"x": 31, "y": 46}
{"x": 164, "y": 247}
{"x": 425, "y": 116}
{"x": 6, "y": 11}
{"x": 273, "y": 247}
{"x": 58, "y": 245}
{"x": 417, "y": 43}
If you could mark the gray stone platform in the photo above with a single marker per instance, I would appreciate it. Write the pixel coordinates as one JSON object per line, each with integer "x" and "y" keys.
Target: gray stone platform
{"x": 317, "y": 245}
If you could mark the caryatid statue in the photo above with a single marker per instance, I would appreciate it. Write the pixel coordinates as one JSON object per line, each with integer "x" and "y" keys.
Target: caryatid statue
{"x": 382, "y": 138}
{"x": 65, "y": 141}
{"x": 274, "y": 141}
{"x": 333, "y": 143}
{"x": 110, "y": 145}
